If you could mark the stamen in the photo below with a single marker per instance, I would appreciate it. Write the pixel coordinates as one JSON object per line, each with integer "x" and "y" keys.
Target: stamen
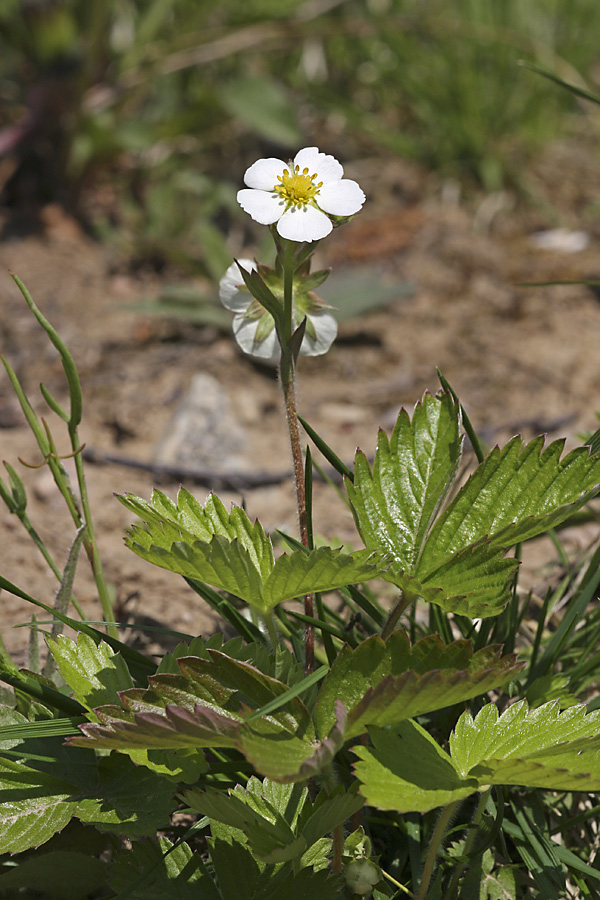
{"x": 297, "y": 188}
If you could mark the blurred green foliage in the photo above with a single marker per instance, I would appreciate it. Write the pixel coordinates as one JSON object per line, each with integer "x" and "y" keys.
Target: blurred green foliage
{"x": 160, "y": 105}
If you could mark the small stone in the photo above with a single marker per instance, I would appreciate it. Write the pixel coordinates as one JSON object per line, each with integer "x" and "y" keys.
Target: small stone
{"x": 203, "y": 431}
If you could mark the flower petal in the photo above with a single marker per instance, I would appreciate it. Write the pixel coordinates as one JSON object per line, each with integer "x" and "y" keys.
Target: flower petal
{"x": 304, "y": 223}
{"x": 263, "y": 207}
{"x": 245, "y": 331}
{"x": 341, "y": 198}
{"x": 229, "y": 295}
{"x": 326, "y": 331}
{"x": 326, "y": 167}
{"x": 262, "y": 175}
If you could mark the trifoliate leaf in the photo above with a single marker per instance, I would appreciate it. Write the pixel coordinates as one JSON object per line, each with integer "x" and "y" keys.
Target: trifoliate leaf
{"x": 405, "y": 770}
{"x": 395, "y": 504}
{"x": 458, "y": 562}
{"x": 214, "y": 703}
{"x": 233, "y": 554}
{"x": 382, "y": 683}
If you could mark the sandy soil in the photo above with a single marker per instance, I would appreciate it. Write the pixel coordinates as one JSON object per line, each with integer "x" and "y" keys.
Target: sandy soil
{"x": 522, "y": 360}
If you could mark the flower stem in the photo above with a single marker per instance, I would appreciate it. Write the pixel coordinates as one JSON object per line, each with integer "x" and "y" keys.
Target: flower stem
{"x": 289, "y": 393}
{"x": 434, "y": 847}
{"x": 287, "y": 373}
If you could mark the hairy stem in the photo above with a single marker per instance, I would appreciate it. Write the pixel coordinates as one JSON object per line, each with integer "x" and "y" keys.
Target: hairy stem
{"x": 288, "y": 384}
{"x": 434, "y": 847}
{"x": 404, "y": 600}
{"x": 470, "y": 840}
{"x": 289, "y": 393}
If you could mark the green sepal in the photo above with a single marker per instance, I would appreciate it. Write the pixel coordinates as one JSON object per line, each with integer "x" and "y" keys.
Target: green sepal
{"x": 259, "y": 290}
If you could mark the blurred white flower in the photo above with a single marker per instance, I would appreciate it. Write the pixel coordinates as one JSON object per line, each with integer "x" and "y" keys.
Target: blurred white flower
{"x": 300, "y": 196}
{"x": 253, "y": 326}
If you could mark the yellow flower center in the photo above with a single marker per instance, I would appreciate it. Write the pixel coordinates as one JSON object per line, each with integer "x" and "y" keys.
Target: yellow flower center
{"x": 297, "y": 188}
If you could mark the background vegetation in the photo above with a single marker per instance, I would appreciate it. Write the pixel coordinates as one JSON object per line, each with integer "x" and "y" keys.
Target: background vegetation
{"x": 142, "y": 115}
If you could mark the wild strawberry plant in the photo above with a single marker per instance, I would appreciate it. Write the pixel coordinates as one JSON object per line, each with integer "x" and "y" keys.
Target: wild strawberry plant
{"x": 301, "y": 758}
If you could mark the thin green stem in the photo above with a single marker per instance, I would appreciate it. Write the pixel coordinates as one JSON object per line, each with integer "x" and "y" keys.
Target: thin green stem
{"x": 404, "y": 601}
{"x": 29, "y": 528}
{"x": 434, "y": 847}
{"x": 470, "y": 840}
{"x": 337, "y": 847}
{"x": 397, "y": 884}
{"x": 89, "y": 541}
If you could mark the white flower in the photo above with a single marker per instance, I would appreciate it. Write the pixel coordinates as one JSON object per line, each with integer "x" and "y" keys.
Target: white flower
{"x": 253, "y": 326}
{"x": 300, "y": 195}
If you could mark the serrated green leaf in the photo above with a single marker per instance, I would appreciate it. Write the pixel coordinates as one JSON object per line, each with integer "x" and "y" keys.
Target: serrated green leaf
{"x": 286, "y": 757}
{"x": 475, "y": 582}
{"x": 320, "y": 570}
{"x": 94, "y": 672}
{"x": 125, "y": 799}
{"x": 173, "y": 728}
{"x": 235, "y": 865}
{"x": 156, "y": 871}
{"x": 515, "y": 494}
{"x": 233, "y": 554}
{"x": 188, "y": 520}
{"x": 269, "y": 835}
{"x": 382, "y": 683}
{"x": 329, "y": 812}
{"x": 405, "y": 770}
{"x": 33, "y": 806}
{"x": 395, "y": 504}
{"x": 541, "y": 747}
